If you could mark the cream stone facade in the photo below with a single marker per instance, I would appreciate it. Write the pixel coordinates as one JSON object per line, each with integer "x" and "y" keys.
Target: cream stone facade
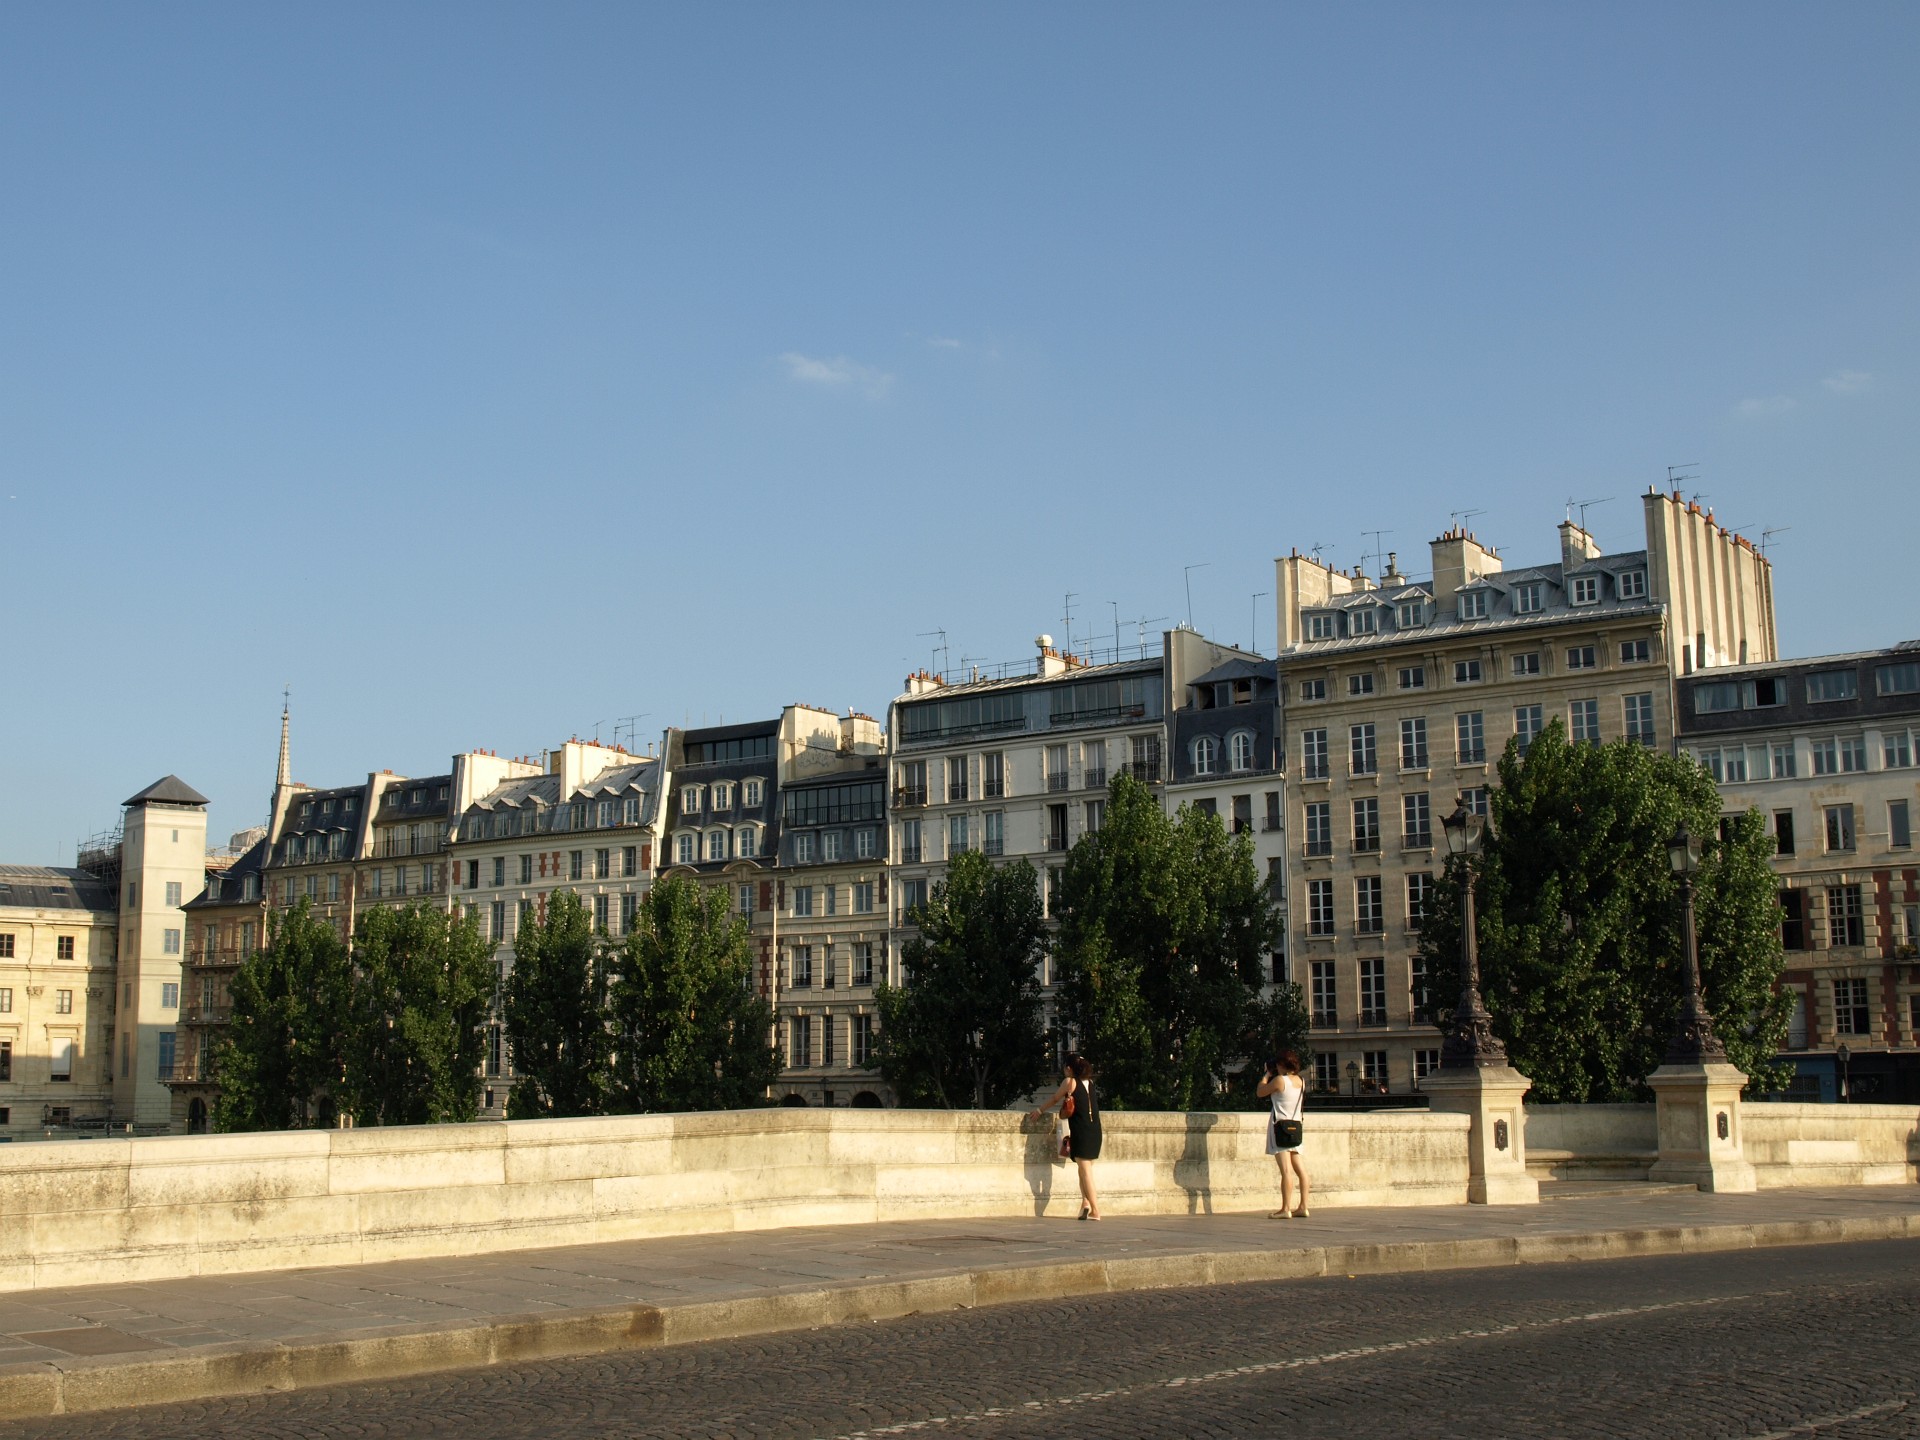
{"x": 1400, "y": 696}
{"x": 831, "y": 905}
{"x": 588, "y": 822}
{"x": 59, "y": 957}
{"x": 226, "y": 925}
{"x": 1824, "y": 748}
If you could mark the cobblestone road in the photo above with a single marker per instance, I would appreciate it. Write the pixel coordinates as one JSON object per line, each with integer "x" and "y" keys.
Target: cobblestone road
{"x": 1818, "y": 1341}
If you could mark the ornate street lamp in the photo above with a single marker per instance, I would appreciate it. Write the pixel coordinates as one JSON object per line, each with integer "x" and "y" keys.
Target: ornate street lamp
{"x": 1469, "y": 1042}
{"x": 1694, "y": 1042}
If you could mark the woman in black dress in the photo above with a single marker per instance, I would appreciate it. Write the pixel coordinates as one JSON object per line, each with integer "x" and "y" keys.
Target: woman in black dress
{"x": 1076, "y": 1100}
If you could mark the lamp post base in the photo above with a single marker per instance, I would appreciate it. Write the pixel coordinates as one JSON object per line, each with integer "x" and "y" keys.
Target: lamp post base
{"x": 1496, "y": 1140}
{"x": 1699, "y": 1127}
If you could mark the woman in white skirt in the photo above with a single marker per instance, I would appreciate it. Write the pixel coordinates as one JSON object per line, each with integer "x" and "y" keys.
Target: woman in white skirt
{"x": 1286, "y": 1094}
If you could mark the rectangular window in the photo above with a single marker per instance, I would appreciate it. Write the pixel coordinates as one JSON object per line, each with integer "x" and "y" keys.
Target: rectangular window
{"x": 800, "y": 1042}
{"x": 576, "y": 864}
{"x": 1783, "y": 832}
{"x": 1313, "y": 754}
{"x": 1093, "y": 764}
{"x": 746, "y": 899}
{"x": 803, "y": 900}
{"x": 1903, "y": 679}
{"x": 1839, "y": 827}
{"x": 497, "y": 926}
{"x": 862, "y": 963}
{"x": 1528, "y": 722}
{"x": 956, "y": 777}
{"x": 526, "y": 868}
{"x": 1146, "y": 758}
{"x": 1899, "y": 825}
{"x": 1326, "y": 1072}
{"x": 1473, "y": 604}
{"x": 6, "y": 1061}
{"x": 1793, "y": 919}
{"x": 1320, "y": 627}
{"x": 1413, "y": 677}
{"x": 1363, "y": 756}
{"x": 1635, "y": 652}
{"x": 1826, "y": 757}
{"x": 1529, "y": 599}
{"x": 1419, "y": 896}
{"x": 1583, "y": 722}
{"x": 63, "y": 1002}
{"x": 1272, "y": 821}
{"x": 1850, "y": 1013}
{"x": 1057, "y": 778}
{"x": 993, "y": 832}
{"x": 170, "y": 996}
{"x": 166, "y": 1038}
{"x": 1413, "y": 743}
{"x": 866, "y": 843}
{"x": 1853, "y": 755}
{"x": 63, "y": 947}
{"x": 956, "y": 835}
{"x": 6, "y": 946}
{"x": 1410, "y": 614}
{"x": 1526, "y": 664}
{"x": 1425, "y": 1062}
{"x": 170, "y": 942}
{"x": 1416, "y": 821}
{"x": 173, "y": 894}
{"x": 1581, "y": 657}
{"x": 1363, "y": 622}
{"x": 603, "y": 864}
{"x": 993, "y": 774}
{"x": 1899, "y": 750}
{"x": 630, "y": 861}
{"x": 1831, "y": 685}
{"x": 800, "y": 967}
{"x": 1632, "y": 584}
{"x": 600, "y": 912}
{"x": 1361, "y": 684}
{"x": 1369, "y": 914}
{"x": 1639, "y": 718}
{"x": 863, "y": 897}
{"x": 1320, "y": 907}
{"x": 1096, "y": 816}
{"x": 1373, "y": 990}
{"x": 1586, "y": 589}
{"x": 1469, "y": 738}
{"x": 1475, "y": 799}
{"x": 6, "y": 999}
{"x": 910, "y": 842}
{"x": 629, "y": 911}
{"x": 1713, "y": 699}
{"x": 826, "y": 958}
{"x": 62, "y": 1061}
{"x": 1056, "y": 827}
{"x": 1313, "y": 689}
{"x": 862, "y": 1038}
{"x": 1466, "y": 672}
{"x": 1366, "y": 825}
{"x": 1319, "y": 828}
{"x": 1325, "y": 996}
{"x": 1846, "y": 924}
{"x": 833, "y": 846}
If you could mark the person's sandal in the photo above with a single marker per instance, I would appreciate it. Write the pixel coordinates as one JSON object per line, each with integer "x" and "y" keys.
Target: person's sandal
{"x": 1279, "y": 1215}
{"x": 1302, "y": 1212}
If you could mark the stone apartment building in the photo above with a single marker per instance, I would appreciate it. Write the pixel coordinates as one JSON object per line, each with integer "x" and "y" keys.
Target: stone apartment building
{"x": 1400, "y": 696}
{"x": 1225, "y": 753}
{"x": 226, "y": 923}
{"x": 1824, "y": 749}
{"x": 830, "y": 904}
{"x": 59, "y": 959}
{"x": 589, "y": 822}
{"x": 1016, "y": 764}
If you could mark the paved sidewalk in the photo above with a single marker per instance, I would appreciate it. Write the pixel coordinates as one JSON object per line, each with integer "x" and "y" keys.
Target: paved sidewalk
{"x": 105, "y": 1346}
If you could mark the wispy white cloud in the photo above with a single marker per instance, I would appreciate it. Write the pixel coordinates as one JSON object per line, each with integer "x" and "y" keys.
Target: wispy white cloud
{"x": 838, "y": 372}
{"x": 941, "y": 342}
{"x": 1761, "y": 407}
{"x": 1848, "y": 382}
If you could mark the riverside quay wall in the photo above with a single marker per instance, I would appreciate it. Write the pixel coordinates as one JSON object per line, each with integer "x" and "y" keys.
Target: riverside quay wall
{"x": 96, "y": 1211}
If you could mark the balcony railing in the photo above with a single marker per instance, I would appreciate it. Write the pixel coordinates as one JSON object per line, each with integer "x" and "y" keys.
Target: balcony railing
{"x": 1147, "y": 772}
{"x": 1057, "y": 780}
{"x": 1056, "y": 842}
{"x": 909, "y": 795}
{"x": 206, "y": 1014}
{"x": 1096, "y": 779}
{"x": 1366, "y": 844}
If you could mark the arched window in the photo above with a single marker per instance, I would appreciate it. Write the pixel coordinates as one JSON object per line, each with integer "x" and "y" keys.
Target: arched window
{"x": 1206, "y": 755}
{"x": 743, "y": 841}
{"x": 1240, "y": 750}
{"x": 716, "y": 845}
{"x": 687, "y": 853}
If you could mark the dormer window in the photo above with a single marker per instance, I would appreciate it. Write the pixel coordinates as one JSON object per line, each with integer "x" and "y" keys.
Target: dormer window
{"x": 690, "y": 800}
{"x": 306, "y": 811}
{"x": 1473, "y": 604}
{"x": 1363, "y": 622}
{"x": 1410, "y": 614}
{"x": 1633, "y": 584}
{"x": 1320, "y": 627}
{"x": 1586, "y": 589}
{"x": 1529, "y": 599}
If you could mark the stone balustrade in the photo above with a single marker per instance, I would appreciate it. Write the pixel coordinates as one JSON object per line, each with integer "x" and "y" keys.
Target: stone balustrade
{"x": 129, "y": 1209}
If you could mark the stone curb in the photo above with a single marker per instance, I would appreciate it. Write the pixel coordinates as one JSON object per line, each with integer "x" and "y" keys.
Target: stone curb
{"x": 93, "y": 1383}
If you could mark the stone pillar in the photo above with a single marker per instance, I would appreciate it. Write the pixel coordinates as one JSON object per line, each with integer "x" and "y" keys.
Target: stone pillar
{"x": 1699, "y": 1120}
{"x": 1496, "y": 1143}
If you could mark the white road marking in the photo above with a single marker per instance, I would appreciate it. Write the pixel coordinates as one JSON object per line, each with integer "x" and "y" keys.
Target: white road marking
{"x": 1813, "y": 1427}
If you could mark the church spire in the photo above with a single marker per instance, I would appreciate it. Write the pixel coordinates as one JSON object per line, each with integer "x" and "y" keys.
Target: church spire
{"x": 285, "y": 775}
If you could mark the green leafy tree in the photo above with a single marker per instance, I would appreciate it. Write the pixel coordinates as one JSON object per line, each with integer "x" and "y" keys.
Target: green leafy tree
{"x": 556, "y": 1015}
{"x": 1276, "y": 1021}
{"x": 688, "y": 1031}
{"x": 280, "y": 1064}
{"x": 967, "y": 1030}
{"x": 1164, "y": 931}
{"x": 1580, "y": 919}
{"x": 421, "y": 982}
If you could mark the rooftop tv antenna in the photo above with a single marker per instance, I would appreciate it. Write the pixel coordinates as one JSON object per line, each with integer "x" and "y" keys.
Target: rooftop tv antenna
{"x": 1460, "y": 517}
{"x": 1377, "y": 552}
{"x": 1258, "y": 596}
{"x": 630, "y": 724}
{"x": 940, "y": 649}
{"x": 1066, "y": 626}
{"x": 1678, "y": 474}
{"x": 1583, "y": 506}
{"x": 1188, "y": 575}
{"x": 1142, "y": 623}
{"x": 1766, "y": 537}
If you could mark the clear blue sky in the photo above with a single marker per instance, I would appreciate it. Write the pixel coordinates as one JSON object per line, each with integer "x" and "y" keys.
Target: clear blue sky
{"x": 488, "y": 372}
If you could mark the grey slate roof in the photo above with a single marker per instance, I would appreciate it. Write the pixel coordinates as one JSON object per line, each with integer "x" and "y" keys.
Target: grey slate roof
{"x": 231, "y": 880}
{"x": 169, "y": 790}
{"x": 44, "y": 887}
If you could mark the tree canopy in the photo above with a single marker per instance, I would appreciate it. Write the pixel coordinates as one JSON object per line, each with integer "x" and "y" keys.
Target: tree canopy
{"x": 967, "y": 1031}
{"x": 1580, "y": 919}
{"x": 421, "y": 984}
{"x": 689, "y": 1033}
{"x": 281, "y": 1061}
{"x": 1165, "y": 928}
{"x": 556, "y": 1015}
